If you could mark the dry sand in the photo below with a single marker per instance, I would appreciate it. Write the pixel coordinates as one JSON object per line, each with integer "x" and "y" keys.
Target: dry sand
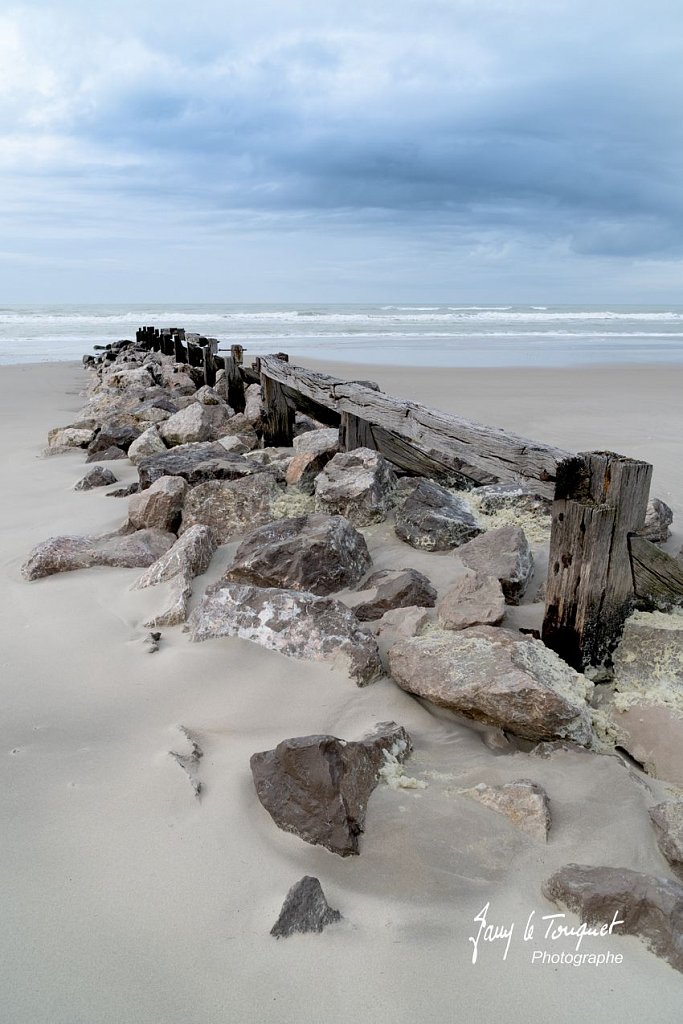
{"x": 127, "y": 901}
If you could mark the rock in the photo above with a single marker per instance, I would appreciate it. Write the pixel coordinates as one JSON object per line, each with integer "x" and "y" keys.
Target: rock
{"x": 644, "y": 905}
{"x": 299, "y": 625}
{"x": 234, "y": 443}
{"x": 147, "y": 444}
{"x": 195, "y": 463}
{"x": 524, "y": 802}
{"x": 648, "y": 661}
{"x": 658, "y": 519}
{"x": 392, "y": 588}
{"x": 124, "y": 492}
{"x": 433, "y": 519}
{"x": 652, "y": 734}
{"x": 175, "y": 609}
{"x": 108, "y": 455}
{"x": 318, "y": 441}
{"x": 197, "y": 422}
{"x": 209, "y": 396}
{"x": 304, "y": 468}
{"x": 70, "y": 437}
{"x": 473, "y": 600}
{"x": 276, "y": 460}
{"x": 495, "y": 676}
{"x": 98, "y": 476}
{"x": 151, "y": 642}
{"x": 356, "y": 484}
{"x": 495, "y": 497}
{"x": 305, "y": 910}
{"x": 318, "y": 786}
{"x": 667, "y": 819}
{"x": 190, "y": 556}
{"x": 317, "y": 553}
{"x": 505, "y": 554}
{"x": 124, "y": 378}
{"x": 229, "y": 507}
{"x": 401, "y": 623}
{"x": 160, "y": 505}
{"x": 62, "y": 554}
{"x": 118, "y": 433}
{"x": 188, "y": 757}
{"x": 253, "y": 403}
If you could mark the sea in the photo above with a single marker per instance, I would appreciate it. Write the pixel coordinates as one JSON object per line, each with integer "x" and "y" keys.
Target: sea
{"x": 401, "y": 334}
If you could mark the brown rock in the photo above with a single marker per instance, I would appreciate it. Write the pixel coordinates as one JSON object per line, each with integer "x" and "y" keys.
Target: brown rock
{"x": 505, "y": 554}
{"x": 473, "y": 600}
{"x": 524, "y": 802}
{"x": 304, "y": 468}
{"x": 147, "y": 444}
{"x": 190, "y": 556}
{"x": 392, "y": 588}
{"x": 356, "y": 484}
{"x": 63, "y": 554}
{"x": 160, "y": 505}
{"x": 196, "y": 463}
{"x": 433, "y": 519}
{"x": 317, "y": 441}
{"x": 229, "y": 507}
{"x": 108, "y": 455}
{"x": 98, "y": 476}
{"x": 70, "y": 437}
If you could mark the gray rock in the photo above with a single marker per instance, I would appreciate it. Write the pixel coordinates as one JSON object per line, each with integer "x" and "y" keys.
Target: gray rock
{"x": 400, "y": 624}
{"x": 505, "y": 554}
{"x": 317, "y": 553}
{"x": 523, "y": 802}
{"x": 303, "y": 469}
{"x": 356, "y": 484}
{"x": 299, "y": 625}
{"x": 496, "y": 676}
{"x": 253, "y": 403}
{"x": 433, "y": 519}
{"x": 392, "y": 588}
{"x": 108, "y": 455}
{"x": 318, "y": 441}
{"x": 98, "y": 476}
{"x": 189, "y": 557}
{"x": 305, "y": 910}
{"x": 209, "y": 396}
{"x": 667, "y": 819}
{"x": 473, "y": 600}
{"x": 175, "y": 609}
{"x": 160, "y": 505}
{"x": 147, "y": 444}
{"x": 495, "y": 497}
{"x": 62, "y": 554}
{"x": 196, "y": 463}
{"x": 318, "y": 786}
{"x": 235, "y": 443}
{"x": 115, "y": 433}
{"x": 70, "y": 437}
{"x": 229, "y": 507}
{"x": 124, "y": 492}
{"x": 658, "y": 519}
{"x": 196, "y": 423}
{"x": 647, "y": 906}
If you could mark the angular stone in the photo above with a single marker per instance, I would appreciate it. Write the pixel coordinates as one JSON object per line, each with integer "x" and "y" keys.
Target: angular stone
{"x": 98, "y": 476}
{"x": 108, "y": 455}
{"x": 317, "y": 441}
{"x": 391, "y": 588}
{"x": 124, "y": 492}
{"x": 495, "y": 497}
{"x": 63, "y": 554}
{"x": 648, "y": 662}
{"x": 160, "y": 505}
{"x": 195, "y": 463}
{"x": 473, "y": 600}
{"x": 498, "y": 677}
{"x": 117, "y": 433}
{"x": 235, "y": 444}
{"x": 276, "y": 460}
{"x": 357, "y": 485}
{"x": 316, "y": 553}
{"x": 505, "y": 554}
{"x": 318, "y": 786}
{"x": 667, "y": 819}
{"x": 253, "y": 403}
{"x": 208, "y": 396}
{"x": 175, "y": 611}
{"x": 524, "y": 802}
{"x": 305, "y": 910}
{"x": 229, "y": 507}
{"x": 304, "y": 468}
{"x": 190, "y": 556}
{"x": 299, "y": 625}
{"x": 401, "y": 623}
{"x": 70, "y": 437}
{"x": 647, "y": 906}
{"x": 125, "y": 378}
{"x": 658, "y": 519}
{"x": 177, "y": 377}
{"x": 197, "y": 422}
{"x": 433, "y": 519}
{"x": 147, "y": 444}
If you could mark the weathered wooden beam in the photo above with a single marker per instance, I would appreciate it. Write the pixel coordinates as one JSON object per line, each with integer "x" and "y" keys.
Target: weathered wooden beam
{"x": 278, "y": 414}
{"x": 484, "y": 453}
{"x": 179, "y": 350}
{"x": 600, "y": 499}
{"x": 657, "y": 576}
{"x": 355, "y": 433}
{"x": 234, "y": 383}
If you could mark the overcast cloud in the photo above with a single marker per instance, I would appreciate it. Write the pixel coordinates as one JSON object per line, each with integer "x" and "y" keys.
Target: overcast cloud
{"x": 259, "y": 151}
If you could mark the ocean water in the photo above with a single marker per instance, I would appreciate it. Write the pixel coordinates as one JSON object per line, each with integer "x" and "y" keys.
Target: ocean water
{"x": 430, "y": 335}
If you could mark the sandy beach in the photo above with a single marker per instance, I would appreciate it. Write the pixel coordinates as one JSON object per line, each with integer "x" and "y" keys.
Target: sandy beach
{"x": 125, "y": 900}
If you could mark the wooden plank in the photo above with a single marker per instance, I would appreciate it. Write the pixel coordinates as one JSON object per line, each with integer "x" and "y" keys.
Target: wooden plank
{"x": 657, "y": 576}
{"x": 482, "y": 451}
{"x": 600, "y": 499}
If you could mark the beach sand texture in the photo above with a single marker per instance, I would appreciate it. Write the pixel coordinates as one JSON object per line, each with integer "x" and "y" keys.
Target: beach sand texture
{"x": 125, "y": 900}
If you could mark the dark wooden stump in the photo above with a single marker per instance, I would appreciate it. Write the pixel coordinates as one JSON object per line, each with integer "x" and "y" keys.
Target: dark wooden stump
{"x": 355, "y": 433}
{"x": 278, "y": 414}
{"x": 234, "y": 382}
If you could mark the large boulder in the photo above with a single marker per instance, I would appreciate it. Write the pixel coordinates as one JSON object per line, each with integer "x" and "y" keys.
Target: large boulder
{"x": 160, "y": 505}
{"x": 229, "y": 507}
{"x": 497, "y": 677}
{"x": 198, "y": 422}
{"x": 124, "y": 378}
{"x": 116, "y": 433}
{"x": 318, "y": 786}
{"x": 473, "y": 600}
{"x": 391, "y": 588}
{"x": 70, "y": 437}
{"x": 147, "y": 445}
{"x": 316, "y": 553}
{"x": 196, "y": 463}
{"x": 647, "y": 906}
{"x": 305, "y": 910}
{"x": 433, "y": 519}
{"x": 299, "y": 625}
{"x": 318, "y": 441}
{"x": 98, "y": 476}
{"x": 356, "y": 484}
{"x": 62, "y": 554}
{"x": 667, "y": 819}
{"x": 190, "y": 556}
{"x": 505, "y": 554}
{"x": 523, "y": 802}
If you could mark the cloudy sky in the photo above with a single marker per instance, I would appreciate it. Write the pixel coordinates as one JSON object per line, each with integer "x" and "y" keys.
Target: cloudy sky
{"x": 280, "y": 150}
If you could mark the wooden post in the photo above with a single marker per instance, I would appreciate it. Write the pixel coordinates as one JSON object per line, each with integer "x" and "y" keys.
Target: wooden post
{"x": 355, "y": 433}
{"x": 600, "y": 498}
{"x": 234, "y": 384}
{"x": 180, "y": 353}
{"x": 209, "y": 366}
{"x": 278, "y": 415}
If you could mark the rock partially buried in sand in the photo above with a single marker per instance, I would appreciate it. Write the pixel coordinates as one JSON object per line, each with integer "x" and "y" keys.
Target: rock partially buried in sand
{"x": 356, "y": 484}
{"x": 305, "y": 910}
{"x": 473, "y": 600}
{"x": 128, "y": 551}
{"x": 98, "y": 476}
{"x": 70, "y": 437}
{"x": 190, "y": 556}
{"x": 645, "y": 905}
{"x": 667, "y": 819}
{"x": 525, "y": 803}
{"x": 496, "y": 676}
{"x": 229, "y": 507}
{"x": 107, "y": 455}
{"x": 318, "y": 786}
{"x": 433, "y": 519}
{"x": 392, "y": 588}
{"x": 505, "y": 554}
{"x": 175, "y": 610}
{"x": 316, "y": 553}
{"x": 297, "y": 624}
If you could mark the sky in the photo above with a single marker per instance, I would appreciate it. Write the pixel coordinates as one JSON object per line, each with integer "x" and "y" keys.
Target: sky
{"x": 280, "y": 150}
